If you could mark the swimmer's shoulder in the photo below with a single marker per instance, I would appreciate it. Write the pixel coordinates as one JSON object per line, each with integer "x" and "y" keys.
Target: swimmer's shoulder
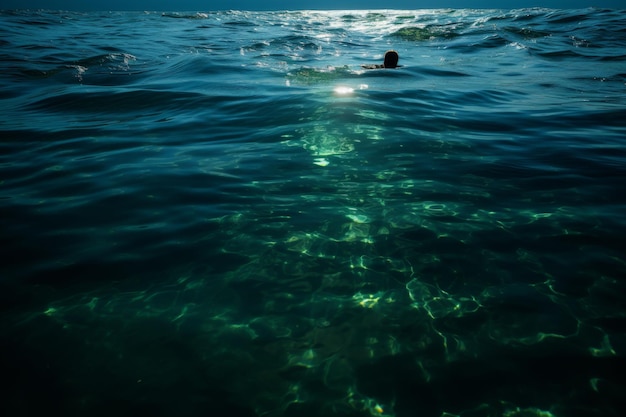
{"x": 372, "y": 66}
{"x": 378, "y": 66}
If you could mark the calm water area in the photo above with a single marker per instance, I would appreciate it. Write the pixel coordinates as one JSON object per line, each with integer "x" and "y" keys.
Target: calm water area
{"x": 225, "y": 214}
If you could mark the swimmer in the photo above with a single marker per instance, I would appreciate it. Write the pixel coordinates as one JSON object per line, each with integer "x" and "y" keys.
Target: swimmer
{"x": 391, "y": 61}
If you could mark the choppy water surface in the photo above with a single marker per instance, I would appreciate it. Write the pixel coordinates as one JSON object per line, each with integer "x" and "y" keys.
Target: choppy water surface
{"x": 225, "y": 214}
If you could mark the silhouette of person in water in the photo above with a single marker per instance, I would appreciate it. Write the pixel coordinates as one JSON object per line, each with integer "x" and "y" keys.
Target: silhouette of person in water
{"x": 391, "y": 61}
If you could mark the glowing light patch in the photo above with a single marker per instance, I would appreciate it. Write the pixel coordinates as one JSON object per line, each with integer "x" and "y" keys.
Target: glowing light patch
{"x": 366, "y": 301}
{"x": 358, "y": 218}
{"x": 50, "y": 311}
{"x": 344, "y": 90}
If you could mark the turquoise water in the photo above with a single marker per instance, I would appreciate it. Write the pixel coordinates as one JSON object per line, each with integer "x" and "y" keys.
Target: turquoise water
{"x": 225, "y": 214}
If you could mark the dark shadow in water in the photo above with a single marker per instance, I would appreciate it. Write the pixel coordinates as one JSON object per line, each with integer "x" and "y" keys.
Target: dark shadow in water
{"x": 563, "y": 384}
{"x": 151, "y": 371}
{"x": 32, "y": 383}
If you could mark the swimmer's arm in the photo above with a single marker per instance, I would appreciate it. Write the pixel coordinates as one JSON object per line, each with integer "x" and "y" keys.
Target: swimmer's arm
{"x": 377, "y": 66}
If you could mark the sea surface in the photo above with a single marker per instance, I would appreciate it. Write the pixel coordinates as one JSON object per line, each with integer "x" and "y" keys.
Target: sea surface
{"x": 225, "y": 214}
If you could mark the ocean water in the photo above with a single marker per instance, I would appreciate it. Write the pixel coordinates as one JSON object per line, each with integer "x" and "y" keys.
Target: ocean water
{"x": 224, "y": 214}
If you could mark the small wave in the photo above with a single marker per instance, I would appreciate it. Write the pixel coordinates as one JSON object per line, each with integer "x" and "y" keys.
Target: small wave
{"x": 526, "y": 15}
{"x": 491, "y": 40}
{"x": 112, "y": 64}
{"x": 560, "y": 54}
{"x": 118, "y": 59}
{"x": 526, "y": 32}
{"x": 302, "y": 41}
{"x": 112, "y": 103}
{"x": 308, "y": 75}
{"x": 413, "y": 33}
{"x": 560, "y": 17}
{"x": 376, "y": 16}
{"x": 193, "y": 16}
{"x": 238, "y": 23}
{"x": 437, "y": 72}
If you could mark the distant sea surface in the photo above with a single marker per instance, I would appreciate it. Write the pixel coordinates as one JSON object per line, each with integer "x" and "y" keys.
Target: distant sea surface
{"x": 225, "y": 214}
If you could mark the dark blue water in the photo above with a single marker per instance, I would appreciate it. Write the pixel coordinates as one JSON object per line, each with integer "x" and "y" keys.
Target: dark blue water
{"x": 224, "y": 214}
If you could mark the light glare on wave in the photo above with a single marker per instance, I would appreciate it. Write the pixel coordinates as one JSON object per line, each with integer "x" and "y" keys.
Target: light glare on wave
{"x": 344, "y": 90}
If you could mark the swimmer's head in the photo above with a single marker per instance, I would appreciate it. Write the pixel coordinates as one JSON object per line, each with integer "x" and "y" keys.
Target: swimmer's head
{"x": 391, "y": 59}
